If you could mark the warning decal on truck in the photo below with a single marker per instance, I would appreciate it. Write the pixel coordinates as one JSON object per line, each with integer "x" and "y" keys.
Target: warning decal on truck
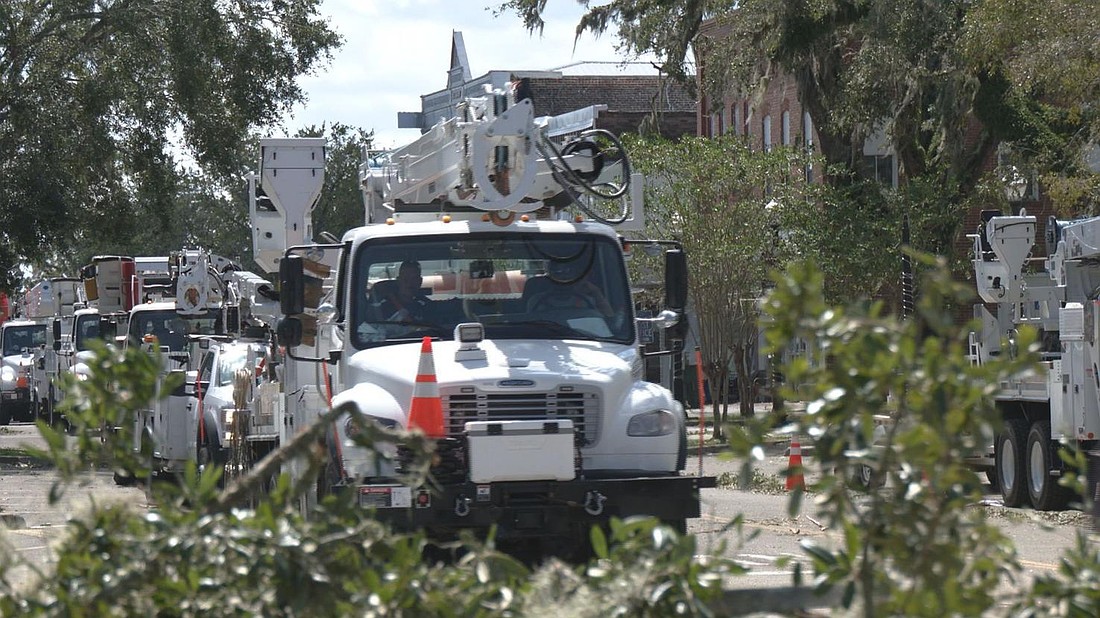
{"x": 385, "y": 496}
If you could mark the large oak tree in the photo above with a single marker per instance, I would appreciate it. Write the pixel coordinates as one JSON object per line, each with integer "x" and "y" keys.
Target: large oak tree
{"x": 947, "y": 81}
{"x": 98, "y": 100}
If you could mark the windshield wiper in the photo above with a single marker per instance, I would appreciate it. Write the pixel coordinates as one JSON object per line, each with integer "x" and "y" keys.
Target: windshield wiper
{"x": 415, "y": 329}
{"x": 556, "y": 328}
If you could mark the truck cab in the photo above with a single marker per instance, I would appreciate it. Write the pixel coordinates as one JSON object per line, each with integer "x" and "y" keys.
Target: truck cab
{"x": 537, "y": 361}
{"x": 87, "y": 325}
{"x": 559, "y": 338}
{"x": 170, "y": 423}
{"x": 216, "y": 384}
{"x": 22, "y": 343}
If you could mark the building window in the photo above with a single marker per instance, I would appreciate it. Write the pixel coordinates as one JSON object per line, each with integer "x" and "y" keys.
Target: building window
{"x": 785, "y": 128}
{"x": 767, "y": 131}
{"x": 879, "y": 163}
{"x": 880, "y": 168}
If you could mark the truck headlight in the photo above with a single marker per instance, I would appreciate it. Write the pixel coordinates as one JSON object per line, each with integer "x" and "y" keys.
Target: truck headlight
{"x": 651, "y": 424}
{"x": 7, "y": 374}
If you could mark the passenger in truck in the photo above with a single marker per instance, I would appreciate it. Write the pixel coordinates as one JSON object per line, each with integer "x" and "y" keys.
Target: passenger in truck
{"x": 15, "y": 341}
{"x": 567, "y": 284}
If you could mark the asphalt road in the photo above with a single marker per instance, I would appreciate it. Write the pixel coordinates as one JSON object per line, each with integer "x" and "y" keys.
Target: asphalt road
{"x": 771, "y": 532}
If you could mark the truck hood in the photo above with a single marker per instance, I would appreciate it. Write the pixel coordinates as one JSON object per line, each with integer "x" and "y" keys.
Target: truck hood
{"x": 518, "y": 365}
{"x": 19, "y": 360}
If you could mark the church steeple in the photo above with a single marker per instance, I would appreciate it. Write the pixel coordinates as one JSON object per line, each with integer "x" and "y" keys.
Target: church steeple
{"x": 459, "y": 73}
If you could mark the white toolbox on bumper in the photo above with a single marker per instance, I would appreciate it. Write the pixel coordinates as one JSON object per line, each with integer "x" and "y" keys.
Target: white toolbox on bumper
{"x": 537, "y": 450}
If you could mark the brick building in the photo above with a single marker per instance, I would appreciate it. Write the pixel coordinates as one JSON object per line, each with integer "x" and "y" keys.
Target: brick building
{"x": 614, "y": 96}
{"x": 776, "y": 117}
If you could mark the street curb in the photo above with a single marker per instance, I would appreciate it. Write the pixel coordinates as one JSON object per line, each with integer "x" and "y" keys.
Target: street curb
{"x": 24, "y": 461}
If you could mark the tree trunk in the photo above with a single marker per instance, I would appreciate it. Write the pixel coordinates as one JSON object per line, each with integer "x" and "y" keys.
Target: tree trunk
{"x": 779, "y": 411}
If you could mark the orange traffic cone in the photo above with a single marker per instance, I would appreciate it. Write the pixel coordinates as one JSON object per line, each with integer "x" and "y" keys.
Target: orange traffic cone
{"x": 795, "y": 477}
{"x": 426, "y": 411}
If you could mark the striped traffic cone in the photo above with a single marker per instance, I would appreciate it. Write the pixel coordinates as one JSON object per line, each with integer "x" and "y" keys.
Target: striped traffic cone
{"x": 795, "y": 477}
{"x": 426, "y": 411}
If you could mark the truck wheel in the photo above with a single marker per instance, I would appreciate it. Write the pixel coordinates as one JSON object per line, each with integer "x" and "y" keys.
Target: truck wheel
{"x": 865, "y": 477}
{"x": 1009, "y": 459}
{"x": 5, "y": 415}
{"x": 991, "y": 477}
{"x": 1042, "y": 457}
{"x": 204, "y": 457}
{"x": 682, "y": 454}
{"x": 679, "y": 525}
{"x": 123, "y": 479}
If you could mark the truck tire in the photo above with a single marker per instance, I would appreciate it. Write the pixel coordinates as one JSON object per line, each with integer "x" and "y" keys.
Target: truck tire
{"x": 1009, "y": 458}
{"x": 680, "y": 525}
{"x": 1042, "y": 457}
{"x": 205, "y": 458}
{"x": 5, "y": 415}
{"x": 682, "y": 453}
{"x": 867, "y": 478}
{"x": 124, "y": 479}
{"x": 991, "y": 477}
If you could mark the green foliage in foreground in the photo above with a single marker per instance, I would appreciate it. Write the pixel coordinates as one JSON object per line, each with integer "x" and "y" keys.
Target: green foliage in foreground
{"x": 902, "y": 399}
{"x": 911, "y": 548}
{"x": 197, "y": 552}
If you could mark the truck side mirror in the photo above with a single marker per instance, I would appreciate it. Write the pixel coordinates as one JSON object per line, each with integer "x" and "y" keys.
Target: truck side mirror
{"x": 291, "y": 285}
{"x": 56, "y": 335}
{"x": 676, "y": 279}
{"x": 289, "y": 331}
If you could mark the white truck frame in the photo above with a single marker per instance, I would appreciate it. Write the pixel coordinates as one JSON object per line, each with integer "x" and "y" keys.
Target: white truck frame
{"x": 1059, "y": 405}
{"x": 53, "y": 302}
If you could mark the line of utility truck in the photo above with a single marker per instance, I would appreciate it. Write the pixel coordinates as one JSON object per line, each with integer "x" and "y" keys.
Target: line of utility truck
{"x": 489, "y": 245}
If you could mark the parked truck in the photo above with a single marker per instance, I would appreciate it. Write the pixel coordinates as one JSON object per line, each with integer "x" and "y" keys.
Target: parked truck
{"x": 192, "y": 320}
{"x": 481, "y": 254}
{"x": 1058, "y": 406}
{"x": 53, "y": 302}
{"x": 22, "y": 342}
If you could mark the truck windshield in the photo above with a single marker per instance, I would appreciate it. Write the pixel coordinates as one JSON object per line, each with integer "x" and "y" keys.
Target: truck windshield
{"x": 87, "y": 329}
{"x": 169, "y": 328}
{"x": 18, "y": 338}
{"x": 519, "y": 286}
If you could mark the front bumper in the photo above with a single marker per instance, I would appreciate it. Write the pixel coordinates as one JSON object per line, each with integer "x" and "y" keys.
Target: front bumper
{"x": 16, "y": 395}
{"x": 536, "y": 509}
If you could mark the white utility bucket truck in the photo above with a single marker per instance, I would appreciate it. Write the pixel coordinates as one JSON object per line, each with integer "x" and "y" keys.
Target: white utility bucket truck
{"x": 471, "y": 252}
{"x": 1059, "y": 405}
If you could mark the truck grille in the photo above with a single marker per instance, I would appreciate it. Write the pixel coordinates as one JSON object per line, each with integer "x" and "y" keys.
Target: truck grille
{"x": 466, "y": 404}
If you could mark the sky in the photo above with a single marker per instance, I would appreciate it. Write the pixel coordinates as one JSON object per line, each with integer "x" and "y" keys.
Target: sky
{"x": 396, "y": 50}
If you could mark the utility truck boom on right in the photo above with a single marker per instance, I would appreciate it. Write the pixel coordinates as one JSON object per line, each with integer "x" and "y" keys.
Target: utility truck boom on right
{"x": 1060, "y": 404}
